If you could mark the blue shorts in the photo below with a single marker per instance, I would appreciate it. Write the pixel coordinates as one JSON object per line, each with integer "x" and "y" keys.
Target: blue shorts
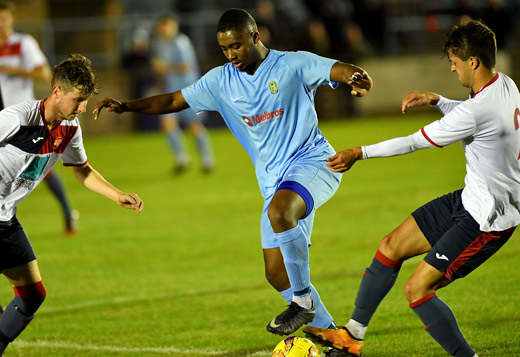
{"x": 314, "y": 182}
{"x": 458, "y": 244}
{"x": 15, "y": 248}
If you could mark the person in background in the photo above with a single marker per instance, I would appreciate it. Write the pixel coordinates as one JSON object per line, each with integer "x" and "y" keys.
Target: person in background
{"x": 21, "y": 63}
{"x": 175, "y": 66}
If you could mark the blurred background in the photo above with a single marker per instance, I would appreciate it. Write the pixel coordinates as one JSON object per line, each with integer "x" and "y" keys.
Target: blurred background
{"x": 399, "y": 42}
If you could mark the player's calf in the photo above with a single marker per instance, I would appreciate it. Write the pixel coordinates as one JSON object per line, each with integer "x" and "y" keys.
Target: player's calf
{"x": 20, "y": 311}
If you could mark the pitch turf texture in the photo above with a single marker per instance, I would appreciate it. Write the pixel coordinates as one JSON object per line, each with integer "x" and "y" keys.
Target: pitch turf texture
{"x": 186, "y": 277}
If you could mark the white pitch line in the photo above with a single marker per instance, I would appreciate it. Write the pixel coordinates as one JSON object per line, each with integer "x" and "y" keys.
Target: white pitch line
{"x": 162, "y": 350}
{"x": 129, "y": 299}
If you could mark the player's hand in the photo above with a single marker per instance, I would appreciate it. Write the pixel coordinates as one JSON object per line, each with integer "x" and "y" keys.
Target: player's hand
{"x": 130, "y": 201}
{"x": 345, "y": 159}
{"x": 361, "y": 83}
{"x": 419, "y": 99}
{"x": 111, "y": 105}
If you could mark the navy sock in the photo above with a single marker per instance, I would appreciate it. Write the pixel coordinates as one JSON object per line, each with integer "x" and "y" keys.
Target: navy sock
{"x": 20, "y": 312}
{"x": 377, "y": 281}
{"x": 442, "y": 325}
{"x": 56, "y": 186}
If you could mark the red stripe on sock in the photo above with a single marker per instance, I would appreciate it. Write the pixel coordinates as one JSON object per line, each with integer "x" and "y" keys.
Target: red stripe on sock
{"x": 422, "y": 301}
{"x": 387, "y": 261}
{"x": 27, "y": 291}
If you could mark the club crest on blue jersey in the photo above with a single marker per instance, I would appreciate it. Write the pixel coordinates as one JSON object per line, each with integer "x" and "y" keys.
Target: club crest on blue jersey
{"x": 273, "y": 87}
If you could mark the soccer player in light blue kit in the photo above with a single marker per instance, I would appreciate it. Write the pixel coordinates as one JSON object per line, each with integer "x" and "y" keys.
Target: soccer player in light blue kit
{"x": 266, "y": 98}
{"x": 175, "y": 64}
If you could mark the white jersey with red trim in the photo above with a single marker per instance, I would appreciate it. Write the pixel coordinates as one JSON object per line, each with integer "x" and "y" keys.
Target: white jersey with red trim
{"x": 20, "y": 50}
{"x": 488, "y": 126}
{"x": 29, "y": 150}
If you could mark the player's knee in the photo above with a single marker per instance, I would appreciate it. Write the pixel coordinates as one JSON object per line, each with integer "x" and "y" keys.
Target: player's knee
{"x": 28, "y": 298}
{"x": 387, "y": 246}
{"x": 281, "y": 218}
{"x": 197, "y": 128}
{"x": 414, "y": 290}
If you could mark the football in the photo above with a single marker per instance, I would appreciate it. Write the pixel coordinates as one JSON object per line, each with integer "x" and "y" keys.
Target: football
{"x": 296, "y": 347}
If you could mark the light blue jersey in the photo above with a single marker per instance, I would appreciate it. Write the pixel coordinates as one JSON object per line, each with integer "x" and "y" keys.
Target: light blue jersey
{"x": 271, "y": 112}
{"x": 178, "y": 51}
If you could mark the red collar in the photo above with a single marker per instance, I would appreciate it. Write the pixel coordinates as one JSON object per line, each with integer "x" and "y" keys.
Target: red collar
{"x": 487, "y": 85}
{"x": 42, "y": 112}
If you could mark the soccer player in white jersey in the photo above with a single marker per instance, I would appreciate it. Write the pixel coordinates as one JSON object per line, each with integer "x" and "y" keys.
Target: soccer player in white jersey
{"x": 462, "y": 229}
{"x": 21, "y": 63}
{"x": 33, "y": 136}
{"x": 266, "y": 98}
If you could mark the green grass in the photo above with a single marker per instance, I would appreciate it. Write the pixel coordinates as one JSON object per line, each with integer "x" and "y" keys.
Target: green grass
{"x": 185, "y": 278}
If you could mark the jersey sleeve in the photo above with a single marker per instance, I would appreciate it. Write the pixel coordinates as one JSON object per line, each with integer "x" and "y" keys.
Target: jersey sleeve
{"x": 74, "y": 154}
{"x": 202, "y": 95}
{"x": 458, "y": 124}
{"x": 33, "y": 56}
{"x": 312, "y": 69}
{"x": 396, "y": 146}
{"x": 445, "y": 105}
{"x": 9, "y": 125}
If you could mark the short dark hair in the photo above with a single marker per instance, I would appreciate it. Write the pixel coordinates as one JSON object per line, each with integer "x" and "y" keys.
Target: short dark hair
{"x": 472, "y": 39}
{"x": 7, "y": 5}
{"x": 236, "y": 19}
{"x": 76, "y": 72}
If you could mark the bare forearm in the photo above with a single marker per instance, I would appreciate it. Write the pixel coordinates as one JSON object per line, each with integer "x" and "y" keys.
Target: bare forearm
{"x": 342, "y": 72}
{"x": 95, "y": 182}
{"x": 158, "y": 104}
{"x": 42, "y": 74}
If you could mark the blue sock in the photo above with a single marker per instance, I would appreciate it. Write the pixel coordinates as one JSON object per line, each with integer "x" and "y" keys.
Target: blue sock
{"x": 295, "y": 252}
{"x": 56, "y": 186}
{"x": 204, "y": 145}
{"x": 322, "y": 318}
{"x": 442, "y": 325}
{"x": 377, "y": 281}
{"x": 176, "y": 141}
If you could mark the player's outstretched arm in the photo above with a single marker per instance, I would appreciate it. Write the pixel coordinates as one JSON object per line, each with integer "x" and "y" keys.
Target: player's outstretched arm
{"x": 352, "y": 75}
{"x": 419, "y": 99}
{"x": 157, "y": 104}
{"x": 344, "y": 160}
{"x": 95, "y": 182}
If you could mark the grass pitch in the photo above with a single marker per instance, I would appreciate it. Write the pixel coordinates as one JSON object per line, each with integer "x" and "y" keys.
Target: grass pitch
{"x": 185, "y": 278}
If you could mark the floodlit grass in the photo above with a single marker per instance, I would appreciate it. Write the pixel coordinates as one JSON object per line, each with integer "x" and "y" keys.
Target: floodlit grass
{"x": 185, "y": 278}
